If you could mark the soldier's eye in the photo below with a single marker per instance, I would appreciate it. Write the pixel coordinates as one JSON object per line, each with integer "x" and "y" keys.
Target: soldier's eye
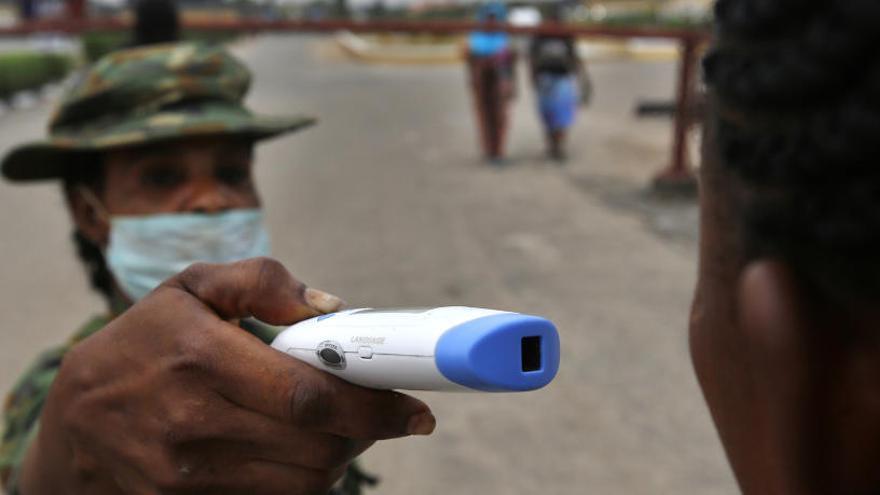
{"x": 162, "y": 176}
{"x": 233, "y": 175}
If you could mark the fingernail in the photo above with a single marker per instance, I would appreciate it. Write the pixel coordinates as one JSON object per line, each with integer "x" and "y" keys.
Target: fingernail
{"x": 323, "y": 301}
{"x": 421, "y": 424}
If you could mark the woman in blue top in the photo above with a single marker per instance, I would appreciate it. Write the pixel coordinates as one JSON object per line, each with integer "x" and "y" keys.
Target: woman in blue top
{"x": 490, "y": 59}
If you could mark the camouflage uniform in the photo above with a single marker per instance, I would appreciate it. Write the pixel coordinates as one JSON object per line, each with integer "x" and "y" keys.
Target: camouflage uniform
{"x": 22, "y": 408}
{"x": 132, "y": 97}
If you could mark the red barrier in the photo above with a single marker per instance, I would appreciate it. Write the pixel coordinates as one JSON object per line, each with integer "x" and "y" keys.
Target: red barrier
{"x": 75, "y": 9}
{"x": 678, "y": 175}
{"x": 305, "y": 26}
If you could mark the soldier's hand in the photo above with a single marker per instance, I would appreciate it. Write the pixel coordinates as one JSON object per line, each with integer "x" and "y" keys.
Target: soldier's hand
{"x": 173, "y": 398}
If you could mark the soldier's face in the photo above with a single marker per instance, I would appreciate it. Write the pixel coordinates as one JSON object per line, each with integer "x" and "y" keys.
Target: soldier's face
{"x": 196, "y": 176}
{"x": 204, "y": 175}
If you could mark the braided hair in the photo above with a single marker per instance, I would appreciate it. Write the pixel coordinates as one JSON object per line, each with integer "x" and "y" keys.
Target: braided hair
{"x": 87, "y": 170}
{"x": 796, "y": 90}
{"x": 156, "y": 21}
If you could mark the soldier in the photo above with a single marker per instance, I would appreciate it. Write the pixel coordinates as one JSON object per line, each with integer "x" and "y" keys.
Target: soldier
{"x": 166, "y": 393}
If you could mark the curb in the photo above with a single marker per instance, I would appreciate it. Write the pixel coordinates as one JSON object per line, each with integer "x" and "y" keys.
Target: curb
{"x": 361, "y": 49}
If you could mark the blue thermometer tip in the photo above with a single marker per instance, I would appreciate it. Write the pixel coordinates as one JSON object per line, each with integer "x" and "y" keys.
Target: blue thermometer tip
{"x": 500, "y": 353}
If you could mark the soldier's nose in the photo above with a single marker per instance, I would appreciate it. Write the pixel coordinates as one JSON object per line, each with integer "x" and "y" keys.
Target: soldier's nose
{"x": 209, "y": 200}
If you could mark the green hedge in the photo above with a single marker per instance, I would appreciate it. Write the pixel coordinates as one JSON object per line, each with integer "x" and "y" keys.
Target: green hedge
{"x": 21, "y": 71}
{"x": 649, "y": 19}
{"x": 96, "y": 44}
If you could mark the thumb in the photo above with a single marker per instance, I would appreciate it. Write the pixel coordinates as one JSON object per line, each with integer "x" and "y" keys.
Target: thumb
{"x": 258, "y": 287}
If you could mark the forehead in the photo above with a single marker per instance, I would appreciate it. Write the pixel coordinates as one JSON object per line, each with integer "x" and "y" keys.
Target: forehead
{"x": 208, "y": 147}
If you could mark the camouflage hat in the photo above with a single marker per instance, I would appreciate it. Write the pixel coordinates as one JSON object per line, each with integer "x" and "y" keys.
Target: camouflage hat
{"x": 144, "y": 95}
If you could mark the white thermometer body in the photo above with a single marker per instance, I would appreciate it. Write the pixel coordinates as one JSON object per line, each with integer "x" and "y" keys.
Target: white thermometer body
{"x": 448, "y": 348}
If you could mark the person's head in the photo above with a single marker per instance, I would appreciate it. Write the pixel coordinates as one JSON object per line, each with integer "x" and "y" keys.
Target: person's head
{"x": 154, "y": 144}
{"x": 555, "y": 13}
{"x": 155, "y": 21}
{"x": 493, "y": 11}
{"x": 785, "y": 327}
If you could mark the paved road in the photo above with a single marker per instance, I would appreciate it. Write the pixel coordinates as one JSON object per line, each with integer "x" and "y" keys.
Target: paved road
{"x": 387, "y": 204}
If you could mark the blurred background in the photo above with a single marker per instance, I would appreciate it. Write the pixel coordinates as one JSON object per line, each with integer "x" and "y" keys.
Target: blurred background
{"x": 389, "y": 202}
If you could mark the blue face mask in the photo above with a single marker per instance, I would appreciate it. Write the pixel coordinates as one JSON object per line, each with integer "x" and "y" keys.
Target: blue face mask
{"x": 146, "y": 250}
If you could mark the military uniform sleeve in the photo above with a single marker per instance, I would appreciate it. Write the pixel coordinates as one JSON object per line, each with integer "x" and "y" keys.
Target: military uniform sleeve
{"x": 21, "y": 411}
{"x": 21, "y": 414}
{"x": 22, "y": 408}
{"x": 260, "y": 330}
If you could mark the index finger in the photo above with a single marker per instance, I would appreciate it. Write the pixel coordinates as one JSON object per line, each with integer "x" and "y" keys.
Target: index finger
{"x": 292, "y": 391}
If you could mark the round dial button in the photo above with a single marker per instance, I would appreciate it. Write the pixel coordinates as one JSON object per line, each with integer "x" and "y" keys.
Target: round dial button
{"x": 330, "y": 356}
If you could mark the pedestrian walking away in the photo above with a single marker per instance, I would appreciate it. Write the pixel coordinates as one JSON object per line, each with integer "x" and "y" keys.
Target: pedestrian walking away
{"x": 561, "y": 82}
{"x": 155, "y": 21}
{"x": 491, "y": 70}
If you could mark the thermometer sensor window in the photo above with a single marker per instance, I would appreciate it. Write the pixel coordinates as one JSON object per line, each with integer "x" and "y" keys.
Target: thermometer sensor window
{"x": 531, "y": 353}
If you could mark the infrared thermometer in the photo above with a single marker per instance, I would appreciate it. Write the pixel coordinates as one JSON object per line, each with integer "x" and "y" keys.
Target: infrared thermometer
{"x": 448, "y": 349}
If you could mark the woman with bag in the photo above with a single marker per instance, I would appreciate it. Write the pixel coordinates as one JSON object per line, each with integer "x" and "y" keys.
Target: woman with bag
{"x": 561, "y": 82}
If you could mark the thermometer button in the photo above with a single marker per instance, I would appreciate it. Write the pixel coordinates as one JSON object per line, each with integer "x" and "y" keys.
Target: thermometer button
{"x": 331, "y": 354}
{"x": 365, "y": 352}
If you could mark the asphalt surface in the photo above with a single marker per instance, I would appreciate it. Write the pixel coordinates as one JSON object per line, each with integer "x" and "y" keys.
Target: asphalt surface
{"x": 387, "y": 203}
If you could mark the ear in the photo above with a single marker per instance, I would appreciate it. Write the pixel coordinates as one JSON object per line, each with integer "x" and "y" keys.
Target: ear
{"x": 90, "y": 219}
{"x": 777, "y": 339}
